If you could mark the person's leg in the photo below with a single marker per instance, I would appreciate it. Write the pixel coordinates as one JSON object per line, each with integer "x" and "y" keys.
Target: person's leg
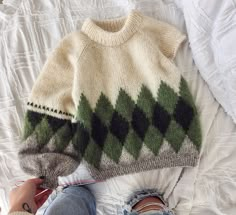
{"x": 73, "y": 200}
{"x": 147, "y": 202}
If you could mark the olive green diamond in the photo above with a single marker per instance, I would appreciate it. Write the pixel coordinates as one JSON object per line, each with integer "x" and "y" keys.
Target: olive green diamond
{"x": 113, "y": 148}
{"x": 167, "y": 97}
{"x": 80, "y": 138}
{"x": 153, "y": 140}
{"x": 31, "y": 120}
{"x": 125, "y": 105}
{"x": 133, "y": 144}
{"x": 175, "y": 135}
{"x": 146, "y": 101}
{"x": 104, "y": 109}
{"x": 63, "y": 137}
{"x": 84, "y": 112}
{"x": 93, "y": 154}
{"x": 28, "y": 128}
{"x": 194, "y": 132}
{"x": 185, "y": 93}
{"x": 43, "y": 132}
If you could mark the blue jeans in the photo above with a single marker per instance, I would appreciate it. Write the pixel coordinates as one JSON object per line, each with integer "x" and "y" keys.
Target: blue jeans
{"x": 140, "y": 195}
{"x": 78, "y": 200}
{"x": 73, "y": 200}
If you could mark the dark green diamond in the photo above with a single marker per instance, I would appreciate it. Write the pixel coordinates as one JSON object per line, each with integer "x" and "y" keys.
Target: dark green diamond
{"x": 81, "y": 138}
{"x": 175, "y": 135}
{"x": 63, "y": 137}
{"x": 84, "y": 112}
{"x": 125, "y": 105}
{"x": 146, "y": 101}
{"x": 153, "y": 140}
{"x": 93, "y": 154}
{"x": 185, "y": 93}
{"x": 28, "y": 128}
{"x": 194, "y": 132}
{"x": 43, "y": 132}
{"x": 167, "y": 97}
{"x": 31, "y": 120}
{"x": 113, "y": 148}
{"x": 133, "y": 144}
{"x": 104, "y": 109}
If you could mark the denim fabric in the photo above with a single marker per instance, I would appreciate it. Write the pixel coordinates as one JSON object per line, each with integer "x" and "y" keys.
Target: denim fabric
{"x": 140, "y": 195}
{"x": 73, "y": 200}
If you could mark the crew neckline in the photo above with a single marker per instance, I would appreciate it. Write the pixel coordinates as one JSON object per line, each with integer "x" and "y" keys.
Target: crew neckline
{"x": 112, "y": 32}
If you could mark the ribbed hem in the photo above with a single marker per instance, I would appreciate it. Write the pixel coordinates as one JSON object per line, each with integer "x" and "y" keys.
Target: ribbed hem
{"x": 112, "y": 32}
{"x": 166, "y": 160}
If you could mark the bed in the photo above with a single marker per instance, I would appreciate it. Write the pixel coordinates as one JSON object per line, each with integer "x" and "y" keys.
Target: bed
{"x": 29, "y": 30}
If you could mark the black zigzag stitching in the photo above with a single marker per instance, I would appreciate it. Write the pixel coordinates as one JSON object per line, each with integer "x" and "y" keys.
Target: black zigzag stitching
{"x": 48, "y": 109}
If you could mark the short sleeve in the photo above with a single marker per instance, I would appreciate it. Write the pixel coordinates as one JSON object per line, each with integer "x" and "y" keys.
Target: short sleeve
{"x": 170, "y": 39}
{"x": 47, "y": 149}
{"x": 52, "y": 91}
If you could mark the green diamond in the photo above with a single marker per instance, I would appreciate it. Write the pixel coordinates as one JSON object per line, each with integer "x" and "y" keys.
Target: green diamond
{"x": 81, "y": 138}
{"x": 63, "y": 137}
{"x": 125, "y": 105}
{"x": 104, "y": 109}
{"x": 133, "y": 144}
{"x": 84, "y": 112}
{"x": 31, "y": 120}
{"x": 113, "y": 148}
{"x": 28, "y": 128}
{"x": 175, "y": 135}
{"x": 185, "y": 93}
{"x": 153, "y": 140}
{"x": 167, "y": 97}
{"x": 146, "y": 101}
{"x": 43, "y": 132}
{"x": 194, "y": 132}
{"x": 93, "y": 154}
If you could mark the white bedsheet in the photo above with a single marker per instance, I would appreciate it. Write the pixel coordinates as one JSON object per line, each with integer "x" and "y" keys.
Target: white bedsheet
{"x": 211, "y": 27}
{"x": 29, "y": 30}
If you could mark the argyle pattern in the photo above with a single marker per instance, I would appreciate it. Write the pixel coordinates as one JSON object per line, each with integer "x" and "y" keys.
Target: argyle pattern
{"x": 129, "y": 124}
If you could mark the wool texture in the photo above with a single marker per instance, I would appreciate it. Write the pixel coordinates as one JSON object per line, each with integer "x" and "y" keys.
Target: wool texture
{"x": 110, "y": 97}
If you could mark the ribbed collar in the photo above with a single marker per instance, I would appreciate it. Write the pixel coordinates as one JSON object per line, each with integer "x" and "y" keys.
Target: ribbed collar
{"x": 112, "y": 32}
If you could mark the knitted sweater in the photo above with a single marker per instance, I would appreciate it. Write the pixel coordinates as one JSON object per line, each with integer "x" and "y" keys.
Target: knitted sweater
{"x": 110, "y": 97}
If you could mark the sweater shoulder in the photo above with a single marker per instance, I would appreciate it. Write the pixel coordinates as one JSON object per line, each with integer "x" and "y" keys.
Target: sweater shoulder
{"x": 73, "y": 44}
{"x": 152, "y": 25}
{"x": 162, "y": 35}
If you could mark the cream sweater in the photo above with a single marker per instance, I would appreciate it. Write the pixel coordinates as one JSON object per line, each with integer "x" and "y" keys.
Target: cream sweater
{"x": 110, "y": 97}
